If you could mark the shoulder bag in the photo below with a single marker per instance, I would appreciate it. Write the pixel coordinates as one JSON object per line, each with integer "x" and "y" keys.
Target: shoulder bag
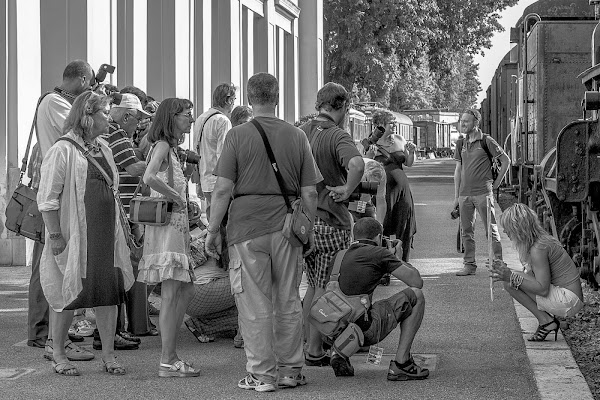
{"x": 333, "y": 311}
{"x": 129, "y": 237}
{"x": 22, "y": 214}
{"x": 146, "y": 210}
{"x": 297, "y": 225}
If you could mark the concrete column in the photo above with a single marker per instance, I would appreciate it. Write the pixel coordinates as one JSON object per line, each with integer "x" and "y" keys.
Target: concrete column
{"x": 125, "y": 27}
{"x": 12, "y": 247}
{"x": 291, "y": 75}
{"x": 264, "y": 39}
{"x": 247, "y": 51}
{"x": 311, "y": 53}
{"x": 63, "y": 37}
{"x": 202, "y": 56}
{"x": 281, "y": 72}
{"x": 161, "y": 49}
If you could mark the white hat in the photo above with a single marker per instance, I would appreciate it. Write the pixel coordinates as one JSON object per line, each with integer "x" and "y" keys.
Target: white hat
{"x": 131, "y": 101}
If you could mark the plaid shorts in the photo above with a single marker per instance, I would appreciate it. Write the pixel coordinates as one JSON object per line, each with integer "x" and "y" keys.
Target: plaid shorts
{"x": 328, "y": 241}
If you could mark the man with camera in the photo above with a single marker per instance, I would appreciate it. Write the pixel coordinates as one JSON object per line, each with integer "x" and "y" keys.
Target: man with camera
{"x": 363, "y": 265}
{"x": 342, "y": 168}
{"x": 209, "y": 135}
{"x": 474, "y": 183}
{"x": 52, "y": 112}
{"x": 126, "y": 113}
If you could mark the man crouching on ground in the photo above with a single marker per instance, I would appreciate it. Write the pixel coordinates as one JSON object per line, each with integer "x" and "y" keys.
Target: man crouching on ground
{"x": 362, "y": 267}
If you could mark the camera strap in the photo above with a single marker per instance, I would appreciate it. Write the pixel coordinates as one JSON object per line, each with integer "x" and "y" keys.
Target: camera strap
{"x": 202, "y": 130}
{"x": 273, "y": 164}
{"x": 70, "y": 97}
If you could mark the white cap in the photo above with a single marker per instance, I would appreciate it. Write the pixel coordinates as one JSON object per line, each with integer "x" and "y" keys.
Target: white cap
{"x": 131, "y": 101}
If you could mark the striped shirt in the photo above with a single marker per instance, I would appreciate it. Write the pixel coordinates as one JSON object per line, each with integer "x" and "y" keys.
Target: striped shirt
{"x": 124, "y": 156}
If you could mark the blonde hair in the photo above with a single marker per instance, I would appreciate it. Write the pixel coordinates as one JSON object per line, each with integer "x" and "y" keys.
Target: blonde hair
{"x": 374, "y": 171}
{"x": 523, "y": 227}
{"x": 80, "y": 119}
{"x": 381, "y": 117}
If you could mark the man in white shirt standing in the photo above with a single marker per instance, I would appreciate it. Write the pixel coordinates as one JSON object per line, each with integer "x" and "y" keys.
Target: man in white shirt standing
{"x": 52, "y": 112}
{"x": 209, "y": 135}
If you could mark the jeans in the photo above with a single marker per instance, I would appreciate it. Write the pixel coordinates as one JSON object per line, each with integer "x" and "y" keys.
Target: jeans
{"x": 468, "y": 205}
{"x": 38, "y": 312}
{"x": 265, "y": 276}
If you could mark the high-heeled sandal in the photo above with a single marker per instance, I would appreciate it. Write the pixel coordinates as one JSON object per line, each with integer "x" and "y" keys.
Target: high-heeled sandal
{"x": 543, "y": 331}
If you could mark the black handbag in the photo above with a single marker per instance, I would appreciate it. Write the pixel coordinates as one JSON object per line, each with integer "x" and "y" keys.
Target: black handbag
{"x": 148, "y": 210}
{"x": 22, "y": 214}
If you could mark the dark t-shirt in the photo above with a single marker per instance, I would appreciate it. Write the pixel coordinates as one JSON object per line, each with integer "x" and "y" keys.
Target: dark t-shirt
{"x": 476, "y": 172}
{"x": 363, "y": 266}
{"x": 258, "y": 207}
{"x": 333, "y": 148}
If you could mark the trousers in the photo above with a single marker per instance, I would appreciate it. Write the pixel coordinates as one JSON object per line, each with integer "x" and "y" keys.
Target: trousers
{"x": 468, "y": 205}
{"x": 265, "y": 276}
{"x": 38, "y": 311}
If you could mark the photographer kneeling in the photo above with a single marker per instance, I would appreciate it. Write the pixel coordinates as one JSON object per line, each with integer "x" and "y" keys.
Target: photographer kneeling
{"x": 361, "y": 269}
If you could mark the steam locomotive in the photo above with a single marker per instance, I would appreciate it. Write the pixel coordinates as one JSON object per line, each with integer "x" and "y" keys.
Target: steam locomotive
{"x": 534, "y": 107}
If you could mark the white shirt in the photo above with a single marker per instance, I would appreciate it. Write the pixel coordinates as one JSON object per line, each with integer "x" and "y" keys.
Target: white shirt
{"x": 52, "y": 113}
{"x": 211, "y": 145}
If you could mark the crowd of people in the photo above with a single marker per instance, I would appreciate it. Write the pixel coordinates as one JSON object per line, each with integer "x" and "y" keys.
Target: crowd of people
{"x": 239, "y": 275}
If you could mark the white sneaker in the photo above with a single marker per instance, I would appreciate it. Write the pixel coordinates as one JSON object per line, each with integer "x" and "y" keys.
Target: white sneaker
{"x": 84, "y": 328}
{"x": 251, "y": 383}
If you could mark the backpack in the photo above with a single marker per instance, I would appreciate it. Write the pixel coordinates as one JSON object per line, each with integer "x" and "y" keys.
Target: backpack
{"x": 333, "y": 311}
{"x": 495, "y": 163}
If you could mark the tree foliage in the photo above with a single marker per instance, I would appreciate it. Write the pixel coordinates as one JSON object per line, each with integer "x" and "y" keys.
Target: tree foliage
{"x": 410, "y": 53}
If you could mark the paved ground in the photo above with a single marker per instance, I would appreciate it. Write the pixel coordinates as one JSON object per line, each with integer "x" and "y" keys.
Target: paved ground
{"x": 474, "y": 347}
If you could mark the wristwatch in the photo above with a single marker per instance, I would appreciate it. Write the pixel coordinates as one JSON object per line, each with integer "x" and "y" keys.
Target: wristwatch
{"x": 55, "y": 236}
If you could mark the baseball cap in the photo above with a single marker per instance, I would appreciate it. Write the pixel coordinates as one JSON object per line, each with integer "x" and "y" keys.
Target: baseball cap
{"x": 131, "y": 101}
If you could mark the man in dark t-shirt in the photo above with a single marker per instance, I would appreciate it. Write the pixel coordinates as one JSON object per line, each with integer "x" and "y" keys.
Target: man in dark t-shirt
{"x": 342, "y": 167}
{"x": 362, "y": 267}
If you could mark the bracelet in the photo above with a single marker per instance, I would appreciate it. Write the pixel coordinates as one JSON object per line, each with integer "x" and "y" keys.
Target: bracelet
{"x": 213, "y": 231}
{"x": 515, "y": 280}
{"x": 55, "y": 236}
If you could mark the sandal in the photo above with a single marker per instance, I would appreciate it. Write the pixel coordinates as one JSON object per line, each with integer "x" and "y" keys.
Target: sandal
{"x": 202, "y": 338}
{"x": 113, "y": 367}
{"x": 179, "y": 369}
{"x": 65, "y": 368}
{"x": 543, "y": 331}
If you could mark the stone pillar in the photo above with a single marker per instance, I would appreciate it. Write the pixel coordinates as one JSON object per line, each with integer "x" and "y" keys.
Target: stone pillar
{"x": 12, "y": 247}
{"x": 264, "y": 40}
{"x": 125, "y": 27}
{"x": 63, "y": 38}
{"x": 161, "y": 49}
{"x": 311, "y": 53}
{"x": 202, "y": 56}
{"x": 291, "y": 74}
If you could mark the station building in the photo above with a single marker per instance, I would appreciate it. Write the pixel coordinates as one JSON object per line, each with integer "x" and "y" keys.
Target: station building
{"x": 168, "y": 48}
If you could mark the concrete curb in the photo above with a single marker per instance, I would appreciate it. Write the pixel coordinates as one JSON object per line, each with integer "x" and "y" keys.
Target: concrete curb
{"x": 556, "y": 373}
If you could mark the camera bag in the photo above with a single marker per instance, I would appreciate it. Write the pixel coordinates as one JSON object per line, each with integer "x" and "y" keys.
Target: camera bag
{"x": 22, "y": 214}
{"x": 147, "y": 210}
{"x": 297, "y": 224}
{"x": 333, "y": 311}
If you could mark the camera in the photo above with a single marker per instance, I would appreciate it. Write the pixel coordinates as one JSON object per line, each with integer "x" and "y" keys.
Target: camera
{"x": 102, "y": 71}
{"x": 389, "y": 242}
{"x": 188, "y": 156}
{"x": 373, "y": 138}
{"x": 364, "y": 191}
{"x": 455, "y": 213}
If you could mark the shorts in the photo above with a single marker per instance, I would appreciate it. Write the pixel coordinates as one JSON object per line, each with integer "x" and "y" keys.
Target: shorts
{"x": 387, "y": 314}
{"x": 328, "y": 241}
{"x": 559, "y": 302}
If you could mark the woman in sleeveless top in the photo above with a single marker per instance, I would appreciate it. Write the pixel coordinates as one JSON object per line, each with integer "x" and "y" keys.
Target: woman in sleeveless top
{"x": 395, "y": 153}
{"x": 549, "y": 285}
{"x": 166, "y": 257}
{"x": 85, "y": 262}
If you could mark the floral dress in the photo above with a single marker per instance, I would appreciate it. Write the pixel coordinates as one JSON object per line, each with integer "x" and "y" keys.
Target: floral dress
{"x": 167, "y": 248}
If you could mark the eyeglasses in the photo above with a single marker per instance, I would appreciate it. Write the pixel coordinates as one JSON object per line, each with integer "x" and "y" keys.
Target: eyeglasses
{"x": 188, "y": 115}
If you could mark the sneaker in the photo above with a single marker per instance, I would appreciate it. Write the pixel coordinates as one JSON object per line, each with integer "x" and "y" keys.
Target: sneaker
{"x": 341, "y": 366}
{"x": 84, "y": 328}
{"x": 120, "y": 343}
{"x": 409, "y": 372}
{"x": 312, "y": 361}
{"x": 129, "y": 337}
{"x": 73, "y": 352}
{"x": 292, "y": 381}
{"x": 468, "y": 269}
{"x": 251, "y": 383}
